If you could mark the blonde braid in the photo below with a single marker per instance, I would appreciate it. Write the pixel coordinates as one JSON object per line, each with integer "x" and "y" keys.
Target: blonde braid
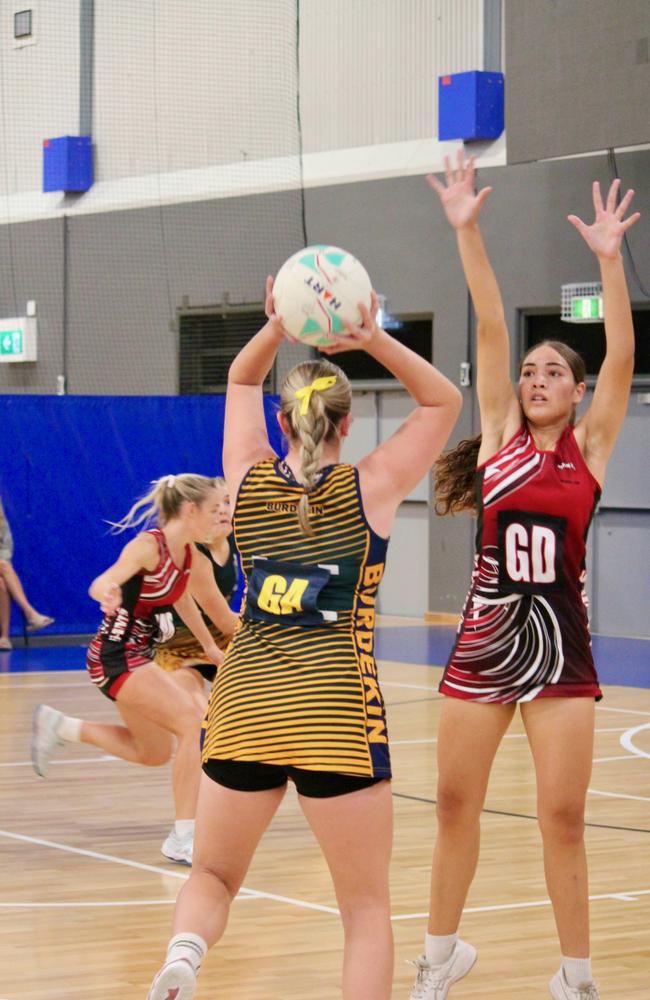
{"x": 314, "y": 418}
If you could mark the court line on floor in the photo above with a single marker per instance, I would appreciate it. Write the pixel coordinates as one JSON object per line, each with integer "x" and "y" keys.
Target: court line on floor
{"x": 628, "y": 744}
{"x": 627, "y": 897}
{"x": 619, "y": 795}
{"x": 156, "y": 869}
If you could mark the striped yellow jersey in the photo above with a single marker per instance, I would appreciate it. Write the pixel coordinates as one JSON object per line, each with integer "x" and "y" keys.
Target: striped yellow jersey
{"x": 299, "y": 684}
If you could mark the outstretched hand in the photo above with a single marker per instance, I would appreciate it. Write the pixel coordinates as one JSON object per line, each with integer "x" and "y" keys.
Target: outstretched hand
{"x": 605, "y": 234}
{"x": 275, "y": 321}
{"x": 462, "y": 204}
{"x": 358, "y": 336}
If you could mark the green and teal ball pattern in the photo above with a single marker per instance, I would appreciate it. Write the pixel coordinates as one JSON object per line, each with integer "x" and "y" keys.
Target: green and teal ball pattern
{"x": 317, "y": 290}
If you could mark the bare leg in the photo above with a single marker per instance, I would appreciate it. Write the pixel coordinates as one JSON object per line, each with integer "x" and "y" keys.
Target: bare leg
{"x": 154, "y": 709}
{"x": 229, "y": 825}
{"x": 15, "y": 588}
{"x": 561, "y": 735}
{"x": 468, "y": 737}
{"x": 192, "y": 682}
{"x": 5, "y": 610}
{"x": 355, "y": 832}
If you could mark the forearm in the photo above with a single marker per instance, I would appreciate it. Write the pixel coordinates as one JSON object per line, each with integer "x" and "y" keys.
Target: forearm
{"x": 619, "y": 329}
{"x": 255, "y": 360}
{"x": 191, "y": 616}
{"x": 479, "y": 275}
{"x": 423, "y": 382}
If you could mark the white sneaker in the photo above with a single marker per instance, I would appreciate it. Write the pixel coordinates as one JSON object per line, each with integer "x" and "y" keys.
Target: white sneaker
{"x": 178, "y": 849}
{"x": 175, "y": 981}
{"x": 434, "y": 981}
{"x": 45, "y": 739}
{"x": 560, "y": 989}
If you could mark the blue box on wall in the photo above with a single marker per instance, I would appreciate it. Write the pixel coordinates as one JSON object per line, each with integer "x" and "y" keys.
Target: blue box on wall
{"x": 470, "y": 106}
{"x": 68, "y": 163}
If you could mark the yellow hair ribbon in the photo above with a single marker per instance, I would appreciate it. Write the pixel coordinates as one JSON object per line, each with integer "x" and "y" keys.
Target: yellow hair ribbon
{"x": 318, "y": 385}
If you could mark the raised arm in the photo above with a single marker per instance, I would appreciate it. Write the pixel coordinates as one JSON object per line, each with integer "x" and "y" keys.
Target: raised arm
{"x": 496, "y": 395}
{"x": 245, "y": 435}
{"x": 598, "y": 428}
{"x": 389, "y": 473}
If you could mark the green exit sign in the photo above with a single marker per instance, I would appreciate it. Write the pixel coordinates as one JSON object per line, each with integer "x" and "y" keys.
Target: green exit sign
{"x": 11, "y": 342}
{"x": 587, "y": 307}
{"x": 18, "y": 339}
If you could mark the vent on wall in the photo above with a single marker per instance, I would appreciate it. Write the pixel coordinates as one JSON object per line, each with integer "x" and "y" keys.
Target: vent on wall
{"x": 208, "y": 343}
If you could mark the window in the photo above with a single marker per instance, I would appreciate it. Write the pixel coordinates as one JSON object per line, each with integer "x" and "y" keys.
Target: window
{"x": 22, "y": 24}
{"x": 415, "y": 332}
{"x": 208, "y": 343}
{"x": 588, "y": 339}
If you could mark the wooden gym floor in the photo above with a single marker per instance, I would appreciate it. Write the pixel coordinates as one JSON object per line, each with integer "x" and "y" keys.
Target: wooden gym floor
{"x": 86, "y": 897}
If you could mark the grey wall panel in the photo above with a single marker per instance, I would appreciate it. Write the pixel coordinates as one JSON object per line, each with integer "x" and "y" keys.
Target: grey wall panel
{"x": 40, "y": 88}
{"x": 577, "y": 76}
{"x": 130, "y": 272}
{"x": 192, "y": 84}
{"x": 31, "y": 267}
{"x": 621, "y": 583}
{"x": 405, "y": 587}
{"x": 369, "y": 69}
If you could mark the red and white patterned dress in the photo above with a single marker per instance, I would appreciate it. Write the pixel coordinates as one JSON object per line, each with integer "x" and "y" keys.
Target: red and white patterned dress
{"x": 128, "y": 639}
{"x": 524, "y": 631}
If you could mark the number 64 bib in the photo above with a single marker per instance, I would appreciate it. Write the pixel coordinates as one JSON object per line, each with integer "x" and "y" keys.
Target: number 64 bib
{"x": 287, "y": 593}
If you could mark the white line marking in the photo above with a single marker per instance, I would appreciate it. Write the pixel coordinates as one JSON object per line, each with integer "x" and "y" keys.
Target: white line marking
{"x": 628, "y": 744}
{"x": 257, "y": 893}
{"x": 511, "y": 736}
{"x": 624, "y": 711}
{"x": 78, "y": 760}
{"x": 411, "y": 687}
{"x": 625, "y": 896}
{"x": 619, "y": 795}
{"x": 100, "y": 903}
{"x": 604, "y": 760}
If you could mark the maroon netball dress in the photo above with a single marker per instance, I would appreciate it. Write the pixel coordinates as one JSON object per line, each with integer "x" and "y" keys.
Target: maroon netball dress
{"x": 524, "y": 632}
{"x": 128, "y": 639}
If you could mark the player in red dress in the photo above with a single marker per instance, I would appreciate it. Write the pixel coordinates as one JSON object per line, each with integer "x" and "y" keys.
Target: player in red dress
{"x": 534, "y": 478}
{"x": 157, "y": 570}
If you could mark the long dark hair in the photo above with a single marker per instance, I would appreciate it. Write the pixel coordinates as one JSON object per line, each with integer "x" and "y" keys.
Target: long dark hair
{"x": 455, "y": 471}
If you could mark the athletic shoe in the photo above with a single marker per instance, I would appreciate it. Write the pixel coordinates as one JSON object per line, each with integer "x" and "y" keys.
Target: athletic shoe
{"x": 5, "y": 643}
{"x": 178, "y": 849}
{"x": 175, "y": 981}
{"x": 560, "y": 989}
{"x": 38, "y": 622}
{"x": 434, "y": 981}
{"x": 45, "y": 739}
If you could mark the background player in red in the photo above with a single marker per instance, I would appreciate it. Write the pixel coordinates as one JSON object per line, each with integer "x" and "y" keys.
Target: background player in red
{"x": 183, "y": 654}
{"x": 534, "y": 479}
{"x": 155, "y": 571}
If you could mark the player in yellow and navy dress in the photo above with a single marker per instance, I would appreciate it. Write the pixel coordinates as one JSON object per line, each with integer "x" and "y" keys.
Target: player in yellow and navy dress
{"x": 297, "y": 697}
{"x": 533, "y": 477}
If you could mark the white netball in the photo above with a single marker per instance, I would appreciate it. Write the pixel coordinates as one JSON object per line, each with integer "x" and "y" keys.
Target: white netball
{"x": 318, "y": 289}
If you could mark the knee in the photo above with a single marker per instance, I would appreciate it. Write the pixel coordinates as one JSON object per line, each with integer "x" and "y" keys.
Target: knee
{"x": 563, "y": 823}
{"x": 224, "y": 881}
{"x": 154, "y": 756}
{"x": 189, "y": 721}
{"x": 3, "y": 585}
{"x": 4, "y": 566}
{"x": 454, "y": 806}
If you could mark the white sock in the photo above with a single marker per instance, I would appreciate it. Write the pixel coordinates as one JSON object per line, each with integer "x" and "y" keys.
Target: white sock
{"x": 577, "y": 972}
{"x": 438, "y": 947}
{"x": 189, "y": 946}
{"x": 70, "y": 729}
{"x": 184, "y": 827}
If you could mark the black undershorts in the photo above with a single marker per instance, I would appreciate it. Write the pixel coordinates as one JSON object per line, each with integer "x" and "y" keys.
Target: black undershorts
{"x": 250, "y": 776}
